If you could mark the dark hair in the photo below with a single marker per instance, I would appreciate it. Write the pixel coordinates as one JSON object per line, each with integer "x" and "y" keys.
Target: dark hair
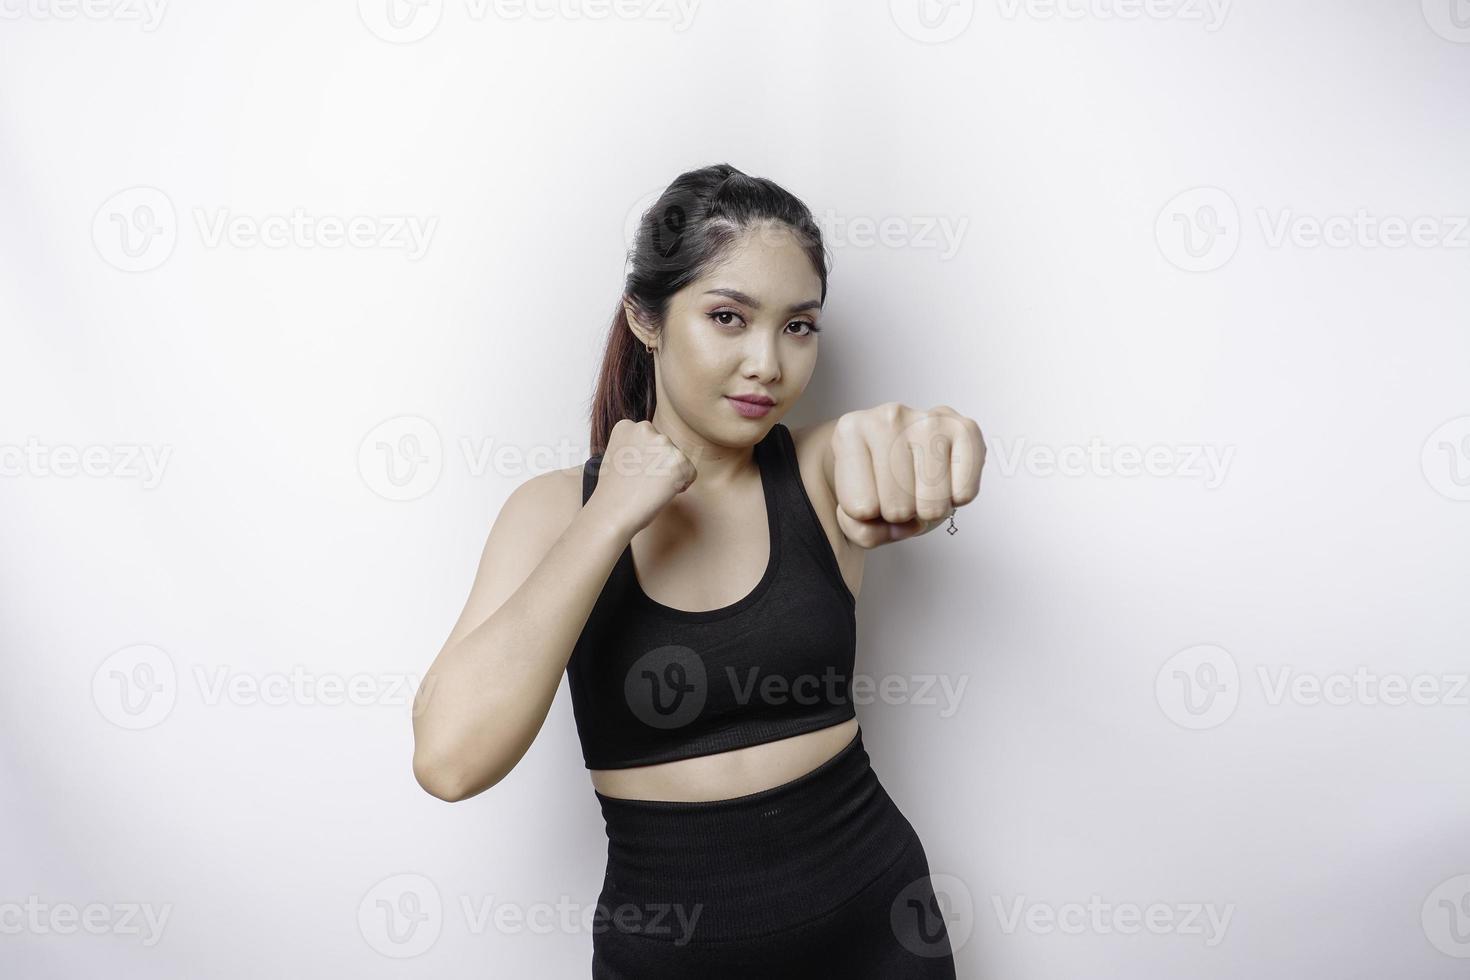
{"x": 682, "y": 235}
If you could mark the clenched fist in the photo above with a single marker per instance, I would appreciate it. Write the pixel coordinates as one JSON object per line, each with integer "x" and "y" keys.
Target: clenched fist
{"x": 899, "y": 471}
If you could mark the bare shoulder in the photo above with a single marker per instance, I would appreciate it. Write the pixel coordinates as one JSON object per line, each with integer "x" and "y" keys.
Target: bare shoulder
{"x": 531, "y": 519}
{"x": 814, "y": 458}
{"x": 550, "y": 500}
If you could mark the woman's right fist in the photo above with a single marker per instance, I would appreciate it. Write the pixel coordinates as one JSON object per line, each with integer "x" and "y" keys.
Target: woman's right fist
{"x": 641, "y": 471}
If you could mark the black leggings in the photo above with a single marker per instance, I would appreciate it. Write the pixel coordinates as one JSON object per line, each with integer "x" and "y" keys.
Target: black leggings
{"x": 821, "y": 876}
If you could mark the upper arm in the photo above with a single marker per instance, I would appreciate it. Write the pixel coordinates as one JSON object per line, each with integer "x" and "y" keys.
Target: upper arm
{"x": 530, "y": 521}
{"x": 814, "y": 454}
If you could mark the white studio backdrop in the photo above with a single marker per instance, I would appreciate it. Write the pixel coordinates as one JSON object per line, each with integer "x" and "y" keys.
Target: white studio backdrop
{"x": 292, "y": 296}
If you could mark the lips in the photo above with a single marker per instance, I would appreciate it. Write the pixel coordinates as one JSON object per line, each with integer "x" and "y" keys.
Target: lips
{"x": 754, "y": 399}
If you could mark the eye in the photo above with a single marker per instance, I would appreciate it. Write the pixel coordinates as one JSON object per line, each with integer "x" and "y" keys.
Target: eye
{"x": 811, "y": 328}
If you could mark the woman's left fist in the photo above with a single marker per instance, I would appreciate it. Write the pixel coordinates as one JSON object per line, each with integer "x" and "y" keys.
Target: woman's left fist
{"x": 899, "y": 471}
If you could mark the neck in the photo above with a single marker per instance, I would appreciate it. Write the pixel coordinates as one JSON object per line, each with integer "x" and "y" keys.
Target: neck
{"x": 718, "y": 466}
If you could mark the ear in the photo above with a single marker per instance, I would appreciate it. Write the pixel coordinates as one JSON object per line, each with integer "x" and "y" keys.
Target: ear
{"x": 640, "y": 330}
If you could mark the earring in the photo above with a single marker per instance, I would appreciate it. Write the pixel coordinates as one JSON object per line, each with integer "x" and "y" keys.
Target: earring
{"x": 648, "y": 347}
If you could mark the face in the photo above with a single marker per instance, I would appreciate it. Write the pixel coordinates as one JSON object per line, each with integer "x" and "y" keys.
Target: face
{"x": 747, "y": 327}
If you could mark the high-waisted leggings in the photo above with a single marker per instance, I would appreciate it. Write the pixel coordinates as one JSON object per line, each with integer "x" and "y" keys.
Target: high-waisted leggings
{"x": 821, "y": 876}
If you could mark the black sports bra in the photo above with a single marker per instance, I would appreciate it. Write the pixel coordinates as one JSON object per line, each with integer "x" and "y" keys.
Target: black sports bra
{"x": 650, "y": 683}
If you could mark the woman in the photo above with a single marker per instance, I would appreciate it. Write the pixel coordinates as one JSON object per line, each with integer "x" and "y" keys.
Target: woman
{"x": 696, "y": 580}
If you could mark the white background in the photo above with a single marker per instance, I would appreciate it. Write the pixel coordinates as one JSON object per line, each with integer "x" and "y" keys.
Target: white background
{"x": 1096, "y": 296}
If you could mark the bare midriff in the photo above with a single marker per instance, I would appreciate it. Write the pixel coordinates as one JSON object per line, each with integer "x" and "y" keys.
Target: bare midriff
{"x": 725, "y": 775}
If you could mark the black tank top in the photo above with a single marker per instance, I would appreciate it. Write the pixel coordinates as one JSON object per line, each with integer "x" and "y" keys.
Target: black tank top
{"x": 650, "y": 683}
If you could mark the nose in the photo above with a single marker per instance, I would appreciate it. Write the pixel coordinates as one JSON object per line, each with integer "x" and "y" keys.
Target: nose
{"x": 762, "y": 358}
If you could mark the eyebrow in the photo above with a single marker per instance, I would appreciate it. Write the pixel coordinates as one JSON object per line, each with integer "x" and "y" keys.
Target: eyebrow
{"x": 750, "y": 301}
